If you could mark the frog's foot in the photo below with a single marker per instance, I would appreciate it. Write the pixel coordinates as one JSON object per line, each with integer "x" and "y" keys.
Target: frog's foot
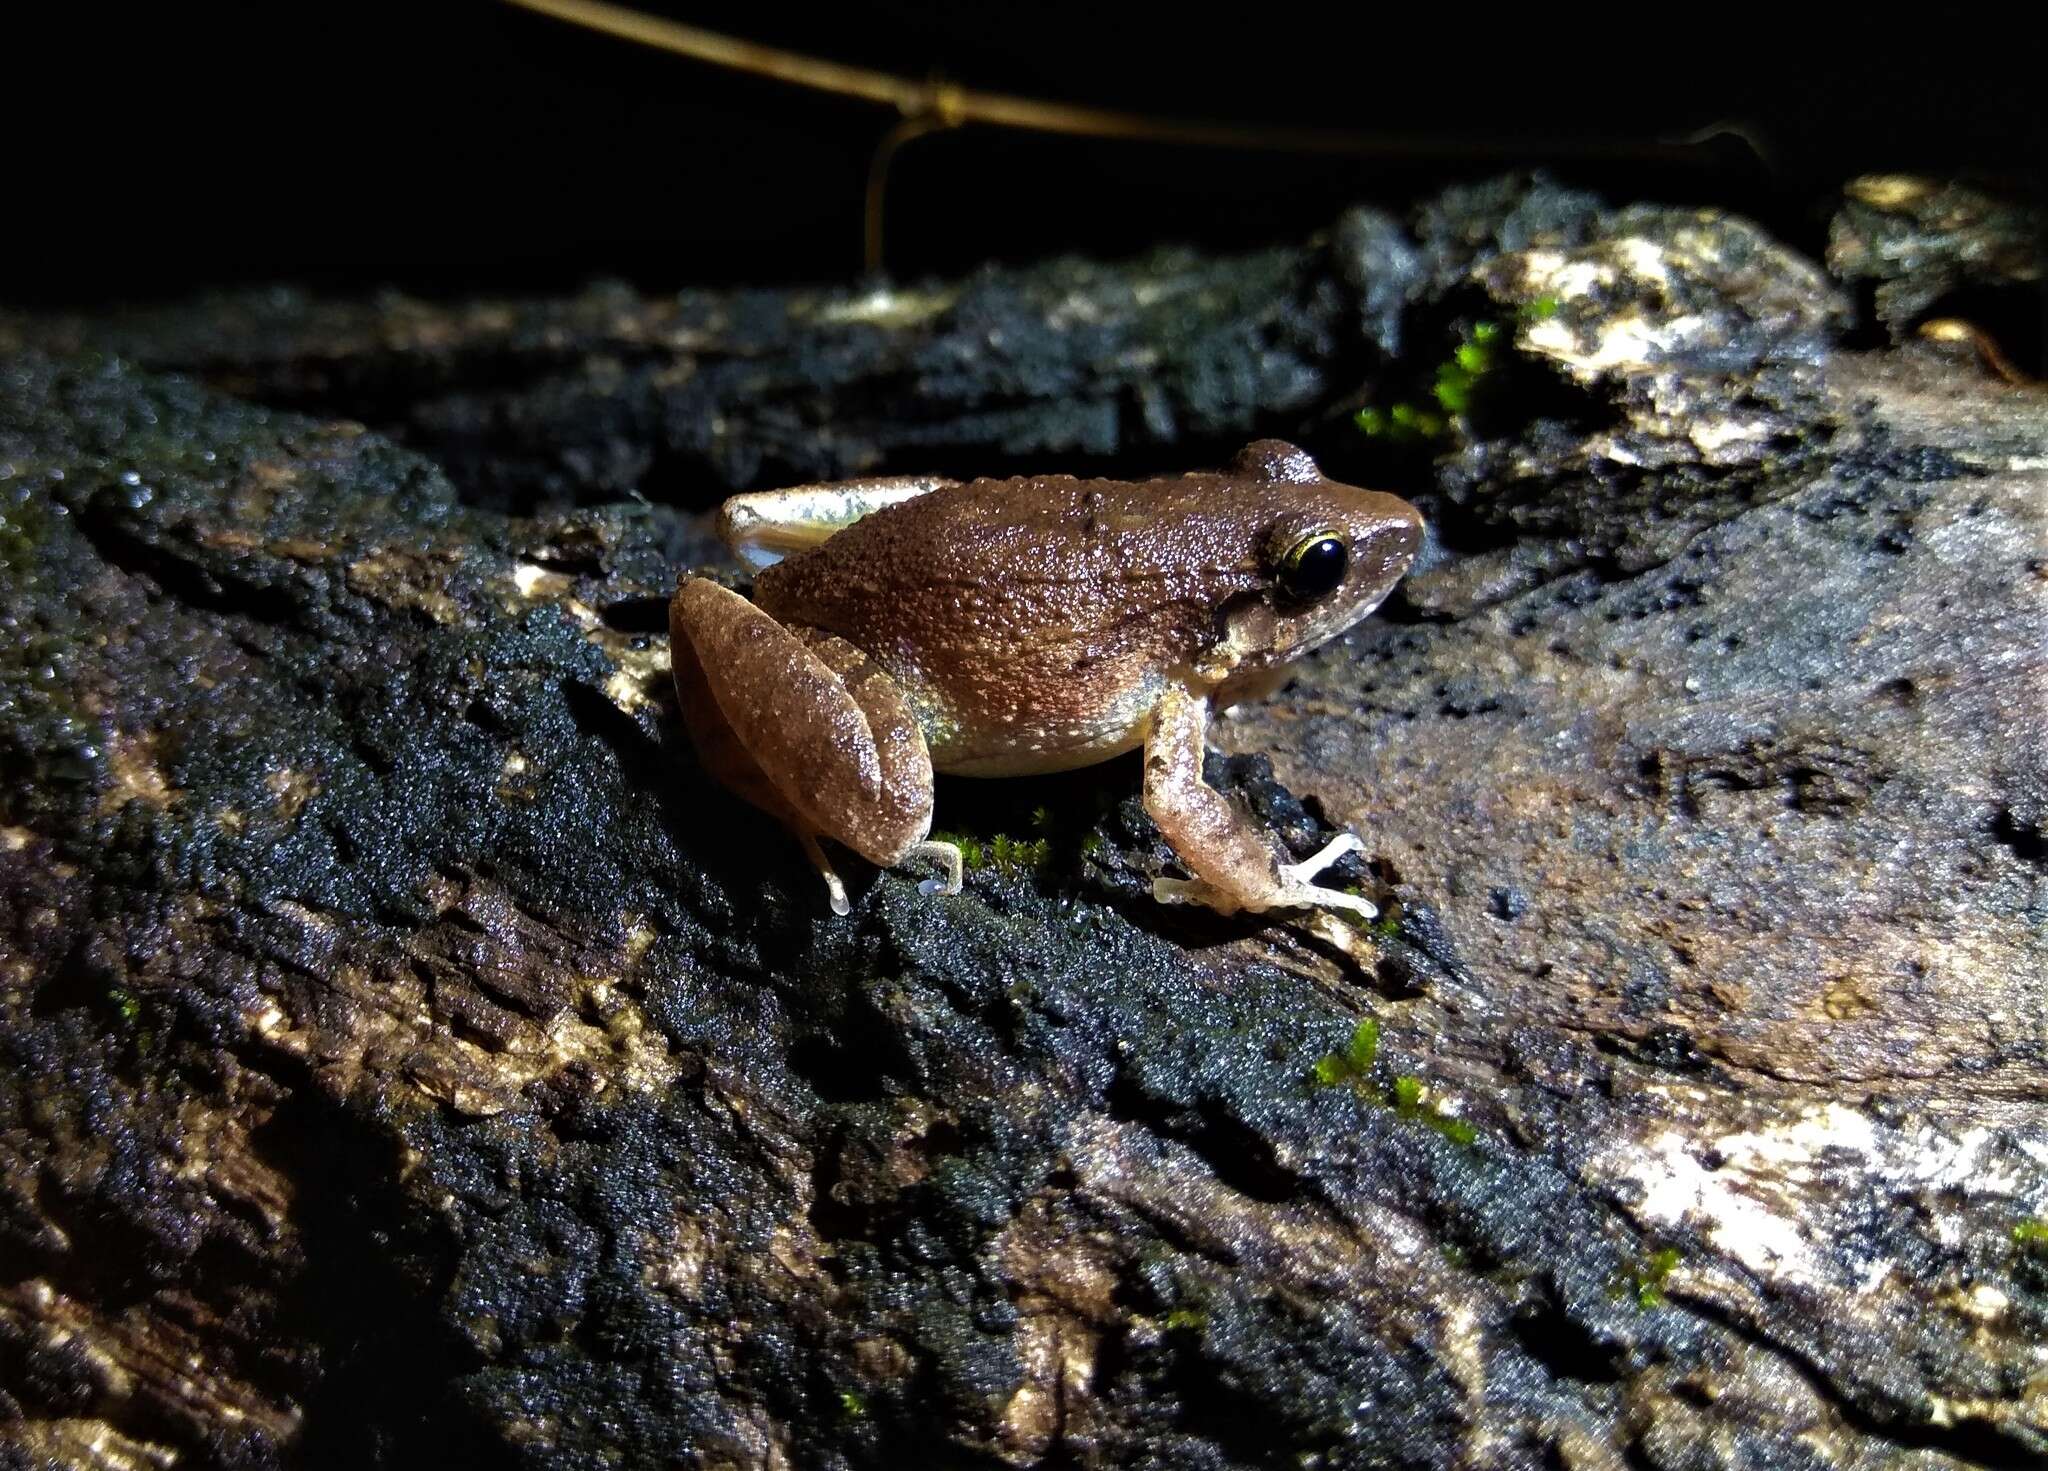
{"x": 946, "y": 853}
{"x": 1191, "y": 891}
{"x": 1289, "y": 893}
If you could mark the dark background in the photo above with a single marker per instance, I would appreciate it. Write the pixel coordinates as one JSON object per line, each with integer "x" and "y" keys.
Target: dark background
{"x": 468, "y": 146}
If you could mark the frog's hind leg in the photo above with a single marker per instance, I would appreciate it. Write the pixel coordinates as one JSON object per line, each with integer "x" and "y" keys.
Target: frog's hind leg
{"x": 803, "y": 725}
{"x": 764, "y": 526}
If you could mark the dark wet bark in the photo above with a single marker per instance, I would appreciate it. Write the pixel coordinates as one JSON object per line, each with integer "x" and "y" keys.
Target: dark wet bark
{"x": 405, "y": 1052}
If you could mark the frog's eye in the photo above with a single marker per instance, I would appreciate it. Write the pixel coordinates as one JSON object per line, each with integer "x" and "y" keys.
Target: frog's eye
{"x": 1313, "y": 567}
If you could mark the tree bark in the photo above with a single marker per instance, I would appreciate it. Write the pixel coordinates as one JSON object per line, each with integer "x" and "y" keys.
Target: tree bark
{"x": 406, "y": 1053}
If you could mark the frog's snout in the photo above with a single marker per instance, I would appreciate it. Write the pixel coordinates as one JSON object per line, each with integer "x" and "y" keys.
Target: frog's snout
{"x": 1408, "y": 533}
{"x": 1387, "y": 535}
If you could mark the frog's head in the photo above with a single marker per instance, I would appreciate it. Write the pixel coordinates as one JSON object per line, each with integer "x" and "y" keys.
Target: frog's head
{"x": 1328, "y": 553}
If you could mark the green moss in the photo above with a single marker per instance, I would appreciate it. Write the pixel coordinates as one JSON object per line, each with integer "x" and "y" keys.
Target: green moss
{"x": 972, "y": 854}
{"x": 1456, "y": 385}
{"x": 1458, "y": 380}
{"x": 1645, "y": 1281}
{"x": 1364, "y": 1048}
{"x": 1186, "y": 1320}
{"x": 1408, "y": 1091}
{"x": 1541, "y": 309}
{"x": 1354, "y": 1064}
{"x": 1457, "y": 1130}
{"x": 125, "y": 1004}
{"x": 1001, "y": 852}
{"x": 1418, "y": 421}
{"x": 2031, "y": 1236}
{"x": 1011, "y": 854}
{"x": 1403, "y": 423}
{"x": 853, "y": 1405}
{"x": 1454, "y": 391}
{"x": 1650, "y": 1293}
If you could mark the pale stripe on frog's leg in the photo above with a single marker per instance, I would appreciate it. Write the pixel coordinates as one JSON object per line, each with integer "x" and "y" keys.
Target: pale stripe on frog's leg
{"x": 764, "y": 526}
{"x": 946, "y": 853}
{"x": 1235, "y": 865}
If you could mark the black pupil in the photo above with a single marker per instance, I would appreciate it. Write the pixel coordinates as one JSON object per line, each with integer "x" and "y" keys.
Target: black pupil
{"x": 1314, "y": 570}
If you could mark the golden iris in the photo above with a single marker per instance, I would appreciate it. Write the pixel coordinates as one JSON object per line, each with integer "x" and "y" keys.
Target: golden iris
{"x": 1313, "y": 567}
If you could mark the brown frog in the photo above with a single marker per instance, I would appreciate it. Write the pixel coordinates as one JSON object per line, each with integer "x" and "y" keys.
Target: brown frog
{"x": 1004, "y": 627}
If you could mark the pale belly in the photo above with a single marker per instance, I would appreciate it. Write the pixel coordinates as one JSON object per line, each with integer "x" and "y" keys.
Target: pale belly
{"x": 1018, "y": 740}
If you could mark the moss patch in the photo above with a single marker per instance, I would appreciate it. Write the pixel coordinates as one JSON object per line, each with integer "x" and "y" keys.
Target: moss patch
{"x": 1457, "y": 384}
{"x": 1407, "y": 1096}
{"x": 1644, "y": 1282}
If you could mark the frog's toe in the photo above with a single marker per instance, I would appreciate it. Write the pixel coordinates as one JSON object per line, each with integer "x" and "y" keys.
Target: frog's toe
{"x": 834, "y": 885}
{"x": 837, "y": 892}
{"x": 946, "y": 853}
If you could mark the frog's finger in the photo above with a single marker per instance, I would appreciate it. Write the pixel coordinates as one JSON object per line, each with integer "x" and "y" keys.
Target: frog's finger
{"x": 1285, "y": 896}
{"x": 1315, "y": 896}
{"x": 1322, "y": 858}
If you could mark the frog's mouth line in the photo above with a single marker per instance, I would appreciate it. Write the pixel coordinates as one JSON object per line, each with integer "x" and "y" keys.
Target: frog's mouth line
{"x": 1254, "y": 636}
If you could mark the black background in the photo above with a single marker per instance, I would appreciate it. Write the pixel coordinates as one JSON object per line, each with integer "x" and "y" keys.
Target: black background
{"x": 471, "y": 146}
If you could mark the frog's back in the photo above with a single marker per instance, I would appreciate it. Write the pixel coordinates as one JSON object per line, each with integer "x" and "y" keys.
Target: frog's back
{"x": 1032, "y": 622}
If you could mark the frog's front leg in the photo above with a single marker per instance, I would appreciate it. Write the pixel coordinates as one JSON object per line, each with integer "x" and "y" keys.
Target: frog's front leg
{"x": 806, "y": 727}
{"x": 1235, "y": 866}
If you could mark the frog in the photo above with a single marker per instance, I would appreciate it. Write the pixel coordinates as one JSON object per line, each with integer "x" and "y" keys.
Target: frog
{"x": 905, "y": 626}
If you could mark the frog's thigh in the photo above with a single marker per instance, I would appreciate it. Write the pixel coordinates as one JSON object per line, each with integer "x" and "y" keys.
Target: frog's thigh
{"x": 900, "y": 815}
{"x": 1236, "y": 866}
{"x": 828, "y": 731}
